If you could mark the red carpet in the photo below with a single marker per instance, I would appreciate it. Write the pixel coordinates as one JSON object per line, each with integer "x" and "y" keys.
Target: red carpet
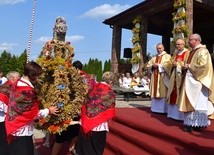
{"x": 140, "y": 132}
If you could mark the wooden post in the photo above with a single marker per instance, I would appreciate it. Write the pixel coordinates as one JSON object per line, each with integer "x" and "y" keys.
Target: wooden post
{"x": 116, "y": 48}
{"x": 189, "y": 15}
{"x": 143, "y": 37}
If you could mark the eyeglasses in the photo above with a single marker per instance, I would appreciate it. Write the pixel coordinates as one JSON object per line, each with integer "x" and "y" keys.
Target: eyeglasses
{"x": 179, "y": 44}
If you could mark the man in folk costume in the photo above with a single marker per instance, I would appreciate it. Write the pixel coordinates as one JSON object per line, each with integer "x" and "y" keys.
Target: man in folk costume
{"x": 159, "y": 66}
{"x": 196, "y": 97}
{"x": 177, "y": 63}
{"x": 97, "y": 110}
{"x": 12, "y": 77}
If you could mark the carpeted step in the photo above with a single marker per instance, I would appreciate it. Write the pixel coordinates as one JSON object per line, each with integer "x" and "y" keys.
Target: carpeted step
{"x": 137, "y": 131}
{"x": 149, "y": 143}
{"x": 108, "y": 151}
{"x": 166, "y": 129}
{"x": 119, "y": 146}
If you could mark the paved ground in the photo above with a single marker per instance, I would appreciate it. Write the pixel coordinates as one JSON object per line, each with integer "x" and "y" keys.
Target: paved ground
{"x": 136, "y": 102}
{"x": 120, "y": 103}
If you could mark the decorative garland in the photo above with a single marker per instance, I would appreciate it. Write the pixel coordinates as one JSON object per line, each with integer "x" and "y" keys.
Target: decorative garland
{"x": 179, "y": 3}
{"x": 180, "y": 29}
{"x": 61, "y": 86}
{"x": 136, "y": 41}
{"x": 54, "y": 48}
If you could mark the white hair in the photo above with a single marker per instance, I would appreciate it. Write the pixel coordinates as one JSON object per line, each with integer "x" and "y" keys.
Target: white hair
{"x": 197, "y": 36}
{"x": 13, "y": 73}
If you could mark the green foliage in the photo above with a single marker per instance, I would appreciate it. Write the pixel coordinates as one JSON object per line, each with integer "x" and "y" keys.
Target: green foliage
{"x": 99, "y": 72}
{"x": 10, "y": 62}
{"x": 107, "y": 66}
{"x": 22, "y": 59}
{"x": 94, "y": 67}
{"x": 125, "y": 61}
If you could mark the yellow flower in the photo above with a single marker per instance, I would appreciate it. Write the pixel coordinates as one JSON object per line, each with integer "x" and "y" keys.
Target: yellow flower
{"x": 136, "y": 40}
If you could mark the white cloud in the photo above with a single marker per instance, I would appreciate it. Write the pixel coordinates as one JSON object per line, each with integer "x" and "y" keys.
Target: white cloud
{"x": 68, "y": 38}
{"x": 105, "y": 11}
{"x": 10, "y": 2}
{"x": 74, "y": 38}
{"x": 7, "y": 46}
{"x": 43, "y": 39}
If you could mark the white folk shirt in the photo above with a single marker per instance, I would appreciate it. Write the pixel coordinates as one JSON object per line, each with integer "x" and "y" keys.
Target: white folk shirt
{"x": 101, "y": 127}
{"x": 3, "y": 80}
{"x": 3, "y": 110}
{"x": 3, "y": 106}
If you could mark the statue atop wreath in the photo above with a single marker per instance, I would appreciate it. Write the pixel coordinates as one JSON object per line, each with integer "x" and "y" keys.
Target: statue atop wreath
{"x": 61, "y": 84}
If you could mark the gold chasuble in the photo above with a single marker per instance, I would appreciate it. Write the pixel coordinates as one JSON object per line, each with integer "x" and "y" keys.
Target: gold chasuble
{"x": 200, "y": 66}
{"x": 176, "y": 74}
{"x": 159, "y": 77}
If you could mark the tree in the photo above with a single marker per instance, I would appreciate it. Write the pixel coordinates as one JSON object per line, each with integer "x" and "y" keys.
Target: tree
{"x": 107, "y": 66}
{"x": 4, "y": 61}
{"x": 99, "y": 71}
{"x": 10, "y": 62}
{"x": 21, "y": 62}
{"x": 94, "y": 67}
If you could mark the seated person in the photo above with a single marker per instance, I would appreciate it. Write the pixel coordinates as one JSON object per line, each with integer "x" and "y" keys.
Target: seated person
{"x": 136, "y": 84}
{"x": 127, "y": 81}
{"x": 135, "y": 80}
{"x": 145, "y": 82}
{"x": 143, "y": 86}
{"x": 121, "y": 79}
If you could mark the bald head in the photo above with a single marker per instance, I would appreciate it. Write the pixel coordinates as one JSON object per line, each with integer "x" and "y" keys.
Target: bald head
{"x": 196, "y": 36}
{"x": 160, "y": 48}
{"x": 180, "y": 44}
{"x": 180, "y": 41}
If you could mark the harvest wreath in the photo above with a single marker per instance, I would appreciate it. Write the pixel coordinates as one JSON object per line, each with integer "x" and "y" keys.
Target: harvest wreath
{"x": 61, "y": 85}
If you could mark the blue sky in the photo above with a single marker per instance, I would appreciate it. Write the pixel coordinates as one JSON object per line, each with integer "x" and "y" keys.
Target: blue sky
{"x": 86, "y": 32}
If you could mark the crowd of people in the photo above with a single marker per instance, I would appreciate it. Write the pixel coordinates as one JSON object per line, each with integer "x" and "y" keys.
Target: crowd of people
{"x": 182, "y": 84}
{"x": 141, "y": 84}
{"x": 19, "y": 108}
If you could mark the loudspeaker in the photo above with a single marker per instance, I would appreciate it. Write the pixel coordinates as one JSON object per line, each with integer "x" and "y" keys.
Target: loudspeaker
{"x": 127, "y": 53}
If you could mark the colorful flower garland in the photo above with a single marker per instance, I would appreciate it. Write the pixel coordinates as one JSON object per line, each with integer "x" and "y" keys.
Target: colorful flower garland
{"x": 136, "y": 41}
{"x": 180, "y": 29}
